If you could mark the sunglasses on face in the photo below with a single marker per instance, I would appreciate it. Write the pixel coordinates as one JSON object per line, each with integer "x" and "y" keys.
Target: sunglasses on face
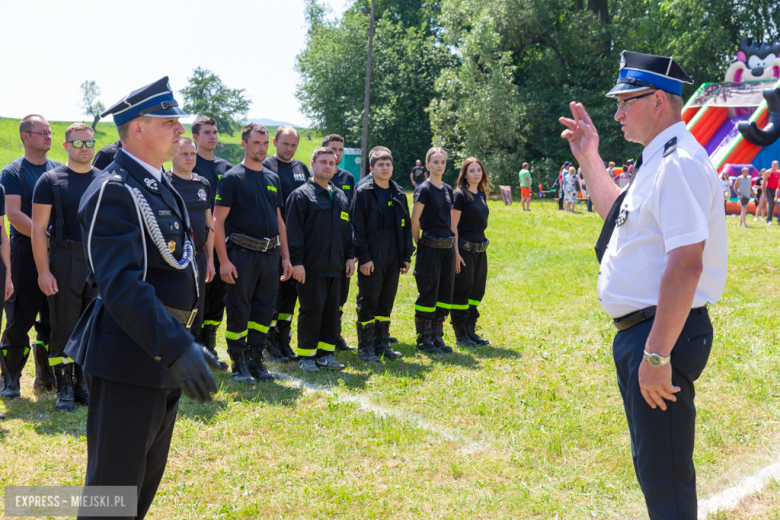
{"x": 80, "y": 143}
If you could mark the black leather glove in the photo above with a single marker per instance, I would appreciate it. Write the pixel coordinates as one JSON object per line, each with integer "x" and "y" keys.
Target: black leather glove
{"x": 193, "y": 373}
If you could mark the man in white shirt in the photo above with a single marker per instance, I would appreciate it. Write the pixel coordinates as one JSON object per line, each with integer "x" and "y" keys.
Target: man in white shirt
{"x": 663, "y": 255}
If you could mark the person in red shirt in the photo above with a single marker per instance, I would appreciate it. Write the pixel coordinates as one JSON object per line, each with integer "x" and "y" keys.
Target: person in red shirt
{"x": 772, "y": 183}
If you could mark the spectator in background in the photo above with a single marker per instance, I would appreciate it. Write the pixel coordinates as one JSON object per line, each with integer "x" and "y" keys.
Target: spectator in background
{"x": 743, "y": 189}
{"x": 570, "y": 186}
{"x": 725, "y": 187}
{"x": 584, "y": 190}
{"x": 770, "y": 190}
{"x": 611, "y": 170}
{"x": 624, "y": 178}
{"x": 760, "y": 196}
{"x": 419, "y": 174}
{"x": 564, "y": 171}
{"x": 525, "y": 187}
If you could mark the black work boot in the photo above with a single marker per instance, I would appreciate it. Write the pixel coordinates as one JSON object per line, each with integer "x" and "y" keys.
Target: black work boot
{"x": 392, "y": 340}
{"x": 367, "y": 342}
{"x": 257, "y": 368}
{"x": 424, "y": 337}
{"x": 283, "y": 338}
{"x": 272, "y": 351}
{"x": 208, "y": 335}
{"x": 462, "y": 338}
{"x": 63, "y": 375}
{"x": 44, "y": 376}
{"x": 9, "y": 380}
{"x": 341, "y": 343}
{"x": 80, "y": 389}
{"x": 438, "y": 336}
{"x": 382, "y": 343}
{"x": 241, "y": 374}
{"x": 470, "y": 330}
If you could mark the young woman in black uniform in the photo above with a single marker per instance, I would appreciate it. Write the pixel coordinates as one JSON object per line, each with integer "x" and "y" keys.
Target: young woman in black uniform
{"x": 469, "y": 220}
{"x": 434, "y": 269}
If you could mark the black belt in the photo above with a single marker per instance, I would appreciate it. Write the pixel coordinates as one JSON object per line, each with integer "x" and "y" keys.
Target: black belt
{"x": 67, "y": 244}
{"x": 635, "y": 318}
{"x": 473, "y": 247}
{"x": 185, "y": 317}
{"x": 199, "y": 253}
{"x": 437, "y": 243}
{"x": 254, "y": 244}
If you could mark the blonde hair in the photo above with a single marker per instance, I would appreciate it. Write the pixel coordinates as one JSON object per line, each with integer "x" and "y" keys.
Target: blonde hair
{"x": 572, "y": 170}
{"x": 77, "y": 127}
{"x": 435, "y": 150}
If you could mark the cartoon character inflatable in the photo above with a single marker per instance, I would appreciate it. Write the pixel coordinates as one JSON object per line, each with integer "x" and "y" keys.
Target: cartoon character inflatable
{"x": 755, "y": 61}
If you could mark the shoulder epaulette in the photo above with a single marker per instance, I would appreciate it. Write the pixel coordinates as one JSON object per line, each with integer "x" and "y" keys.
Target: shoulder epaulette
{"x": 670, "y": 146}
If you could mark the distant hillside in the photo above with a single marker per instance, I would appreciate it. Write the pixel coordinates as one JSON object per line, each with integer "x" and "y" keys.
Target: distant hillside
{"x": 271, "y": 122}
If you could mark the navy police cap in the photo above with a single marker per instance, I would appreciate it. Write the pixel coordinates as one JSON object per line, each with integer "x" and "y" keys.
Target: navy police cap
{"x": 643, "y": 71}
{"x": 154, "y": 100}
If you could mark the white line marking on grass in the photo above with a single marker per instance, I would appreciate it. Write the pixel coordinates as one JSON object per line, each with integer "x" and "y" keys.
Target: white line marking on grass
{"x": 364, "y": 403}
{"x": 730, "y": 498}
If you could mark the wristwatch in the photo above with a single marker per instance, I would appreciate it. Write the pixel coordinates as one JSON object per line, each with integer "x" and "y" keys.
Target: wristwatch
{"x": 656, "y": 360}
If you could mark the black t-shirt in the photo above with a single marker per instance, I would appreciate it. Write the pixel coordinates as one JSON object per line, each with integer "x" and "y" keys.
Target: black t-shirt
{"x": 72, "y": 187}
{"x": 344, "y": 181}
{"x": 196, "y": 193}
{"x": 2, "y": 201}
{"x": 385, "y": 206}
{"x": 253, "y": 197}
{"x": 10, "y": 181}
{"x": 438, "y": 204}
{"x": 292, "y": 175}
{"x": 419, "y": 174}
{"x": 212, "y": 171}
{"x": 105, "y": 155}
{"x": 474, "y": 211}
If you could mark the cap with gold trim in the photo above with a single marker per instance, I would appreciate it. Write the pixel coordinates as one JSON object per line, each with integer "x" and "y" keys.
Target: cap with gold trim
{"x": 154, "y": 100}
{"x": 645, "y": 71}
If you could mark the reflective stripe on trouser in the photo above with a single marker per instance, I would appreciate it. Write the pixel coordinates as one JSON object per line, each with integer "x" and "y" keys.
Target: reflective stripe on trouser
{"x": 285, "y": 300}
{"x": 376, "y": 293}
{"x": 662, "y": 442}
{"x": 27, "y": 301}
{"x": 197, "y": 323}
{"x": 74, "y": 293}
{"x": 469, "y": 288}
{"x": 434, "y": 272}
{"x": 250, "y": 301}
{"x": 319, "y": 315}
{"x": 214, "y": 300}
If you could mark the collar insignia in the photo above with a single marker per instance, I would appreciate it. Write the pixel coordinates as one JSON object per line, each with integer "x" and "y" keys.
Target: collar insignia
{"x": 151, "y": 184}
{"x": 621, "y": 218}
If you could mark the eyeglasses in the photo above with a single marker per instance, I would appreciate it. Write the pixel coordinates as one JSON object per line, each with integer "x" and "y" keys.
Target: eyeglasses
{"x": 44, "y": 134}
{"x": 80, "y": 143}
{"x": 623, "y": 103}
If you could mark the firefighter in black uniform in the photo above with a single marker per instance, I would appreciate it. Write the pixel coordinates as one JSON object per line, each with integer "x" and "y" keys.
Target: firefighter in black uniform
{"x": 212, "y": 168}
{"x": 196, "y": 192}
{"x": 59, "y": 256}
{"x": 9, "y": 386}
{"x": 251, "y": 238}
{"x": 133, "y": 339}
{"x": 382, "y": 233}
{"x": 346, "y": 182}
{"x": 292, "y": 175}
{"x": 469, "y": 221}
{"x": 105, "y": 155}
{"x": 321, "y": 252}
{"x": 434, "y": 269}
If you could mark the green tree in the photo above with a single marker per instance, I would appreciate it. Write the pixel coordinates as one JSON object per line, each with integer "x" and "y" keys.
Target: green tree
{"x": 205, "y": 94}
{"x": 90, "y": 103}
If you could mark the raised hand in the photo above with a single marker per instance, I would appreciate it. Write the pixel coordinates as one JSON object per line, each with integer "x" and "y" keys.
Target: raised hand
{"x": 580, "y": 132}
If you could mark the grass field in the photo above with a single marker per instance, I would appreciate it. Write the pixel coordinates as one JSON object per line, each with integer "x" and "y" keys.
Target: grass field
{"x": 530, "y": 427}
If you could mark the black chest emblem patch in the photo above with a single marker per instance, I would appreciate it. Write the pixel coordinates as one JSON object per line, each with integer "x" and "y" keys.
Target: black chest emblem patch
{"x": 622, "y": 217}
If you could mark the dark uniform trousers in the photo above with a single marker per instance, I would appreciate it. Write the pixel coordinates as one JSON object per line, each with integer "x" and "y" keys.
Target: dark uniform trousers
{"x": 285, "y": 302}
{"x": 662, "y": 441}
{"x": 318, "y": 323}
{"x": 197, "y": 324}
{"x": 469, "y": 286}
{"x": 68, "y": 264}
{"x": 139, "y": 413}
{"x": 214, "y": 301}
{"x": 376, "y": 293}
{"x": 250, "y": 301}
{"x": 26, "y": 302}
{"x": 344, "y": 293}
{"x": 434, "y": 272}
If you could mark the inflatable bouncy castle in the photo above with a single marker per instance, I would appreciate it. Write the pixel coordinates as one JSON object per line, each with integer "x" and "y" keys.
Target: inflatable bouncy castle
{"x": 738, "y": 121}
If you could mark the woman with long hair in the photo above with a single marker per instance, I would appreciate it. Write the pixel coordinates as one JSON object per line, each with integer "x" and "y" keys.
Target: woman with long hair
{"x": 469, "y": 218}
{"x": 434, "y": 269}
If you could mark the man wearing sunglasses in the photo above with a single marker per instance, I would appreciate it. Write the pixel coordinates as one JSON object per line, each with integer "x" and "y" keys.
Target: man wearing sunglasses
{"x": 663, "y": 255}
{"x": 59, "y": 256}
{"x": 28, "y": 301}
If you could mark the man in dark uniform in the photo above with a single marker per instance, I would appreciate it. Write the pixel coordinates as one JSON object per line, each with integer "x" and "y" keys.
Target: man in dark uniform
{"x": 28, "y": 301}
{"x": 292, "y": 174}
{"x": 212, "y": 168}
{"x": 346, "y": 182}
{"x": 105, "y": 156}
{"x": 664, "y": 256}
{"x": 321, "y": 252}
{"x": 383, "y": 244}
{"x": 251, "y": 238}
{"x": 59, "y": 256}
{"x": 133, "y": 339}
{"x": 196, "y": 192}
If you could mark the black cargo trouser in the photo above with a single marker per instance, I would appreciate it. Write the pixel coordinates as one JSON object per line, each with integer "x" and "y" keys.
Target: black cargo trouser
{"x": 285, "y": 302}
{"x": 344, "y": 292}
{"x": 469, "y": 286}
{"x": 27, "y": 301}
{"x": 197, "y": 323}
{"x": 319, "y": 319}
{"x": 434, "y": 272}
{"x": 376, "y": 293}
{"x": 250, "y": 301}
{"x": 214, "y": 301}
{"x": 68, "y": 265}
{"x": 662, "y": 442}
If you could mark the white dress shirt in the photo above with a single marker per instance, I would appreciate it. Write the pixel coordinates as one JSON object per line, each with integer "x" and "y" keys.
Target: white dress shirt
{"x": 674, "y": 201}
{"x": 157, "y": 174}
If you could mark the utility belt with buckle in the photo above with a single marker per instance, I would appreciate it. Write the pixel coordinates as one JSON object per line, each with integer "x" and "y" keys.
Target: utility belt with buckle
{"x": 437, "y": 243}
{"x": 635, "y": 318}
{"x": 185, "y": 317}
{"x": 473, "y": 247}
{"x": 254, "y": 244}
